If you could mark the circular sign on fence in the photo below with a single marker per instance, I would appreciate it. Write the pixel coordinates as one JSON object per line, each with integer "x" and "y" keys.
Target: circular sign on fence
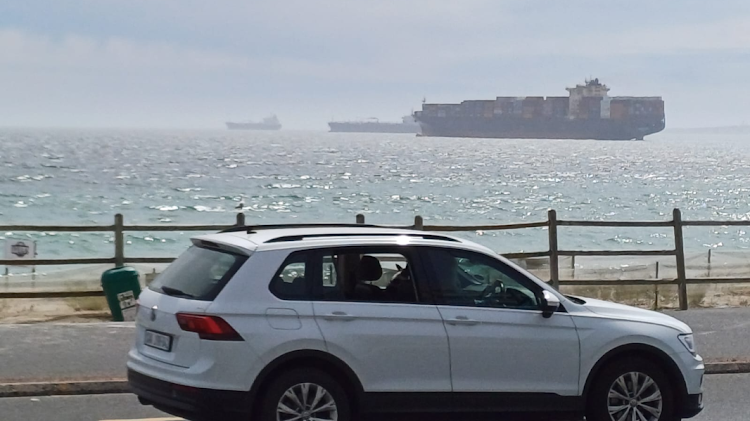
{"x": 20, "y": 249}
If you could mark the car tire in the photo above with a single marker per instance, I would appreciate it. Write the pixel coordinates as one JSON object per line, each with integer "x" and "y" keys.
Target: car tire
{"x": 627, "y": 385}
{"x": 304, "y": 393}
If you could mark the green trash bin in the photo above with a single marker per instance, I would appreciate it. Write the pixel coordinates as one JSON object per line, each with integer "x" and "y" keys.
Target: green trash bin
{"x": 122, "y": 288}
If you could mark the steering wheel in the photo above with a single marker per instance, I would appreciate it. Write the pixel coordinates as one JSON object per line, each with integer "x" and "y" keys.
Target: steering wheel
{"x": 492, "y": 289}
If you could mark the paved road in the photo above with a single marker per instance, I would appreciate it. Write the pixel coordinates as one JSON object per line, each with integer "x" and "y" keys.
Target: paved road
{"x": 76, "y": 408}
{"x": 64, "y": 351}
{"x": 98, "y": 350}
{"x": 719, "y": 333}
{"x": 726, "y": 400}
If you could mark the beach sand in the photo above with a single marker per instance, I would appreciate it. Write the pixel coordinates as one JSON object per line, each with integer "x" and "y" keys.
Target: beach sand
{"x": 596, "y": 269}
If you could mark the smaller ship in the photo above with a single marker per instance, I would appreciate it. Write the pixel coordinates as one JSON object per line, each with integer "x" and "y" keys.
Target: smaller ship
{"x": 268, "y": 123}
{"x": 373, "y": 125}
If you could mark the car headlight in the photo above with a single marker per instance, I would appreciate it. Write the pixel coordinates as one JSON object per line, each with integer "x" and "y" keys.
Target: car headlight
{"x": 689, "y": 342}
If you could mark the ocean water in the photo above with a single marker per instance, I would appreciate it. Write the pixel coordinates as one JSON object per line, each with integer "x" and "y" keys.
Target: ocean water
{"x": 184, "y": 177}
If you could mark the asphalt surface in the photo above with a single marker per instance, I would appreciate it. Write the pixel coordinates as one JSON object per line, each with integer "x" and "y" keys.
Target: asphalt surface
{"x": 49, "y": 351}
{"x": 726, "y": 399}
{"x": 87, "y": 351}
{"x": 76, "y": 408}
{"x": 720, "y": 333}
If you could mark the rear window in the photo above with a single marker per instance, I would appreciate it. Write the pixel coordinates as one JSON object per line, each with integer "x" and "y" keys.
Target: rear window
{"x": 199, "y": 273}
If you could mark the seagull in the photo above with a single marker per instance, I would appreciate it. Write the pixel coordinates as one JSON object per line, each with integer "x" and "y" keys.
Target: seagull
{"x": 240, "y": 205}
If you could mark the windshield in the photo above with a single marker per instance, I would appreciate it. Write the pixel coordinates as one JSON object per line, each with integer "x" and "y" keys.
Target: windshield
{"x": 199, "y": 274}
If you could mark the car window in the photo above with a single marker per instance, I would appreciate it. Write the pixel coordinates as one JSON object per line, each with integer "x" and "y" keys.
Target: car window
{"x": 199, "y": 273}
{"x": 465, "y": 278}
{"x": 290, "y": 282}
{"x": 367, "y": 275}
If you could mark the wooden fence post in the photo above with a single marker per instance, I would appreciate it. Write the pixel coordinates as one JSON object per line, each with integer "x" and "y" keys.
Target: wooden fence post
{"x": 680, "y": 257}
{"x": 554, "y": 275}
{"x": 360, "y": 218}
{"x": 119, "y": 242}
{"x": 418, "y": 223}
{"x": 656, "y": 288}
{"x": 573, "y": 266}
{"x": 709, "y": 263}
{"x": 240, "y": 220}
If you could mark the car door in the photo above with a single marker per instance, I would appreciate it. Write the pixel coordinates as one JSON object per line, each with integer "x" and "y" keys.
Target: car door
{"x": 499, "y": 340}
{"x": 393, "y": 339}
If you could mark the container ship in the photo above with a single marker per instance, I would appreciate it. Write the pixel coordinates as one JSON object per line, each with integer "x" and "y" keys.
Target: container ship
{"x": 268, "y": 123}
{"x": 586, "y": 113}
{"x": 407, "y": 125}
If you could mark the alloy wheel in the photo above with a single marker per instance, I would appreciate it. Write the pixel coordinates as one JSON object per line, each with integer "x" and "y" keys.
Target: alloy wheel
{"x": 306, "y": 402}
{"x": 634, "y": 396}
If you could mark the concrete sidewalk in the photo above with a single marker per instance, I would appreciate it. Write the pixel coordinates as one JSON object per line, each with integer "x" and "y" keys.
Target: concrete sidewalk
{"x": 59, "y": 352}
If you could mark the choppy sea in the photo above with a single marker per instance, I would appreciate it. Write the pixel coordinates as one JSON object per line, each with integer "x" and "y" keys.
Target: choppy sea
{"x": 183, "y": 177}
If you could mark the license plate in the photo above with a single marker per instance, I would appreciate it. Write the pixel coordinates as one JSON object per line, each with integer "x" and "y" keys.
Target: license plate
{"x": 158, "y": 340}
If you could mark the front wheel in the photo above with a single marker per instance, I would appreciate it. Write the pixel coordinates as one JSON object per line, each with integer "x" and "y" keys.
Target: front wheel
{"x": 304, "y": 395}
{"x": 631, "y": 390}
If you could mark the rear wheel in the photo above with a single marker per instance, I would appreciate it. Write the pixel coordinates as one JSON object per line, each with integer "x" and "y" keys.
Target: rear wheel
{"x": 304, "y": 395}
{"x": 631, "y": 390}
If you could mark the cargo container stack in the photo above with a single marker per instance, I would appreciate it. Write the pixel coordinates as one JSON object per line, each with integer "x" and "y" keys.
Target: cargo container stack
{"x": 503, "y": 105}
{"x": 533, "y": 106}
{"x": 559, "y": 106}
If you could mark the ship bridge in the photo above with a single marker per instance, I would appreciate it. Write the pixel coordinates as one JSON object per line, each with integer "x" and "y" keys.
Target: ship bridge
{"x": 592, "y": 89}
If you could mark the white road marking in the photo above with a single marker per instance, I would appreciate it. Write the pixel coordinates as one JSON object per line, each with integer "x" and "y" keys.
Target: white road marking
{"x": 149, "y": 419}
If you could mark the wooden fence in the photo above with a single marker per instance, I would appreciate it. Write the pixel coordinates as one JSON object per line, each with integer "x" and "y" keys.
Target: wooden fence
{"x": 553, "y": 253}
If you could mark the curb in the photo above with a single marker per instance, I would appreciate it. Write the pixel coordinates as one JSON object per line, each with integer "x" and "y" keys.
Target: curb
{"x": 15, "y": 390}
{"x": 93, "y": 387}
{"x": 728, "y": 368}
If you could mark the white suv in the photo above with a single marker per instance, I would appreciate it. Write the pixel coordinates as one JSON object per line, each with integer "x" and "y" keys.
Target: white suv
{"x": 328, "y": 322}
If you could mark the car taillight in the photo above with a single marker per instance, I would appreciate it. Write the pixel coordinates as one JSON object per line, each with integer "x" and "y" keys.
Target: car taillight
{"x": 212, "y": 328}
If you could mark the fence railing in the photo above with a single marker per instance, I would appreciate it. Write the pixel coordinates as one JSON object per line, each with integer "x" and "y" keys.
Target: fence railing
{"x": 553, "y": 253}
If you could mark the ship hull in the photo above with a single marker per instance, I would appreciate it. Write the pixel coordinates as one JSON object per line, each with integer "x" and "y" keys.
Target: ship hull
{"x": 365, "y": 127}
{"x": 252, "y": 126}
{"x": 540, "y": 128}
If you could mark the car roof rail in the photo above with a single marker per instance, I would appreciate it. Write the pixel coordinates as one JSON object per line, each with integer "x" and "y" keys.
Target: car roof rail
{"x": 301, "y": 237}
{"x": 253, "y": 228}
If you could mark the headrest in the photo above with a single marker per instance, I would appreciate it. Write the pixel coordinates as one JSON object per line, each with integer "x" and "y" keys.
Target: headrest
{"x": 369, "y": 269}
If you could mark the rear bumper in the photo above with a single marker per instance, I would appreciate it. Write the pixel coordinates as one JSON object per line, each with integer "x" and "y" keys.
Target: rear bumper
{"x": 190, "y": 402}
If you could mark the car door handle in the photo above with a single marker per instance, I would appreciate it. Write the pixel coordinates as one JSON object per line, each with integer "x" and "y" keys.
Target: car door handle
{"x": 462, "y": 320}
{"x": 339, "y": 315}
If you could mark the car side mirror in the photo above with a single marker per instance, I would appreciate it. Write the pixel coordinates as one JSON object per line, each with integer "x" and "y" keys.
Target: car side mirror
{"x": 550, "y": 304}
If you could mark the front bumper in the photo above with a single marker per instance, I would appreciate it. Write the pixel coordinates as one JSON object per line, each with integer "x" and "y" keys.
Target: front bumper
{"x": 691, "y": 406}
{"x": 190, "y": 402}
{"x": 690, "y": 400}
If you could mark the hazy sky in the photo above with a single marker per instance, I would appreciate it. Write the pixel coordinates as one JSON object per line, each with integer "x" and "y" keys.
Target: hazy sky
{"x": 190, "y": 63}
